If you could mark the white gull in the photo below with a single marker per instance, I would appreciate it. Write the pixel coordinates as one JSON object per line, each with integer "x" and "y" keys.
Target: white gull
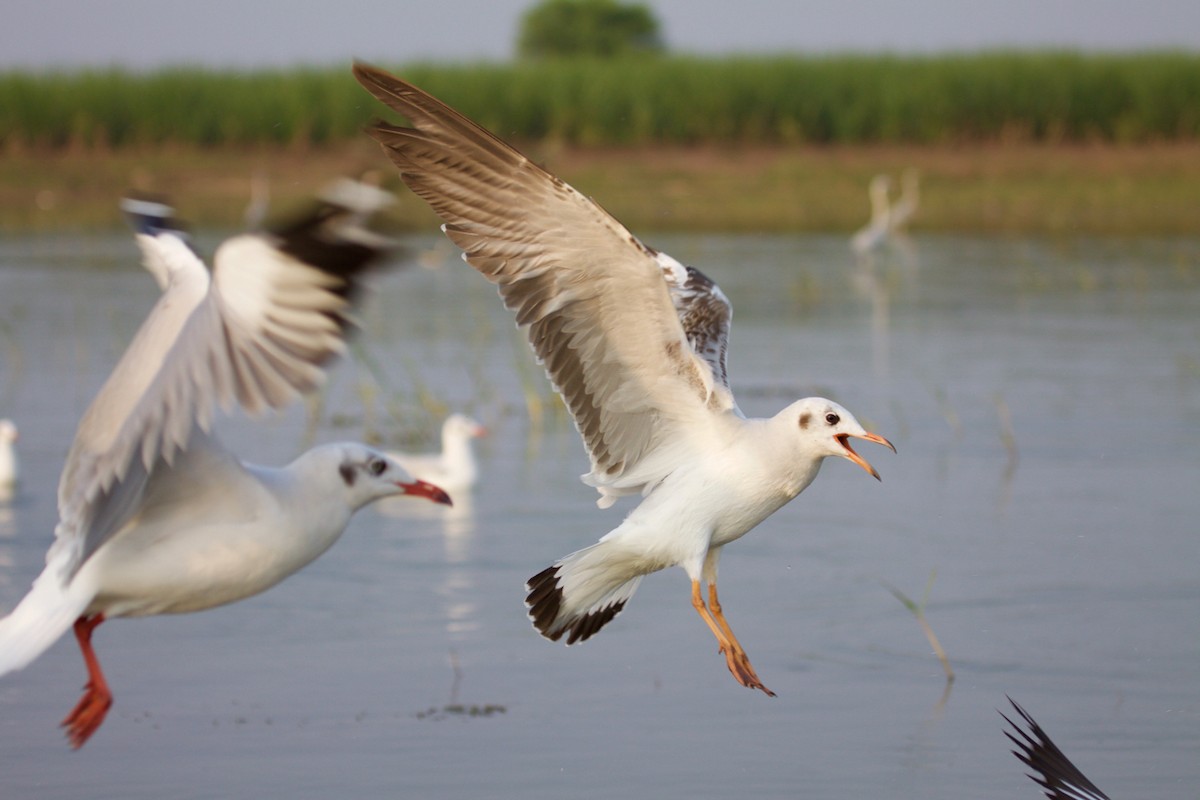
{"x": 155, "y": 515}
{"x": 635, "y": 343}
{"x": 875, "y": 232}
{"x": 454, "y": 468}
{"x": 903, "y": 211}
{"x": 10, "y": 470}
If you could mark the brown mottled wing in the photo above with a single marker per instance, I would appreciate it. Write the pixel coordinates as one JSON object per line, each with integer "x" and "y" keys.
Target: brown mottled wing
{"x": 590, "y": 295}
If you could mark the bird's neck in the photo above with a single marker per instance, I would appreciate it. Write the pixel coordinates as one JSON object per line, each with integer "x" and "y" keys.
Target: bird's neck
{"x": 318, "y": 507}
{"x": 789, "y": 464}
{"x": 456, "y": 451}
{"x": 8, "y": 461}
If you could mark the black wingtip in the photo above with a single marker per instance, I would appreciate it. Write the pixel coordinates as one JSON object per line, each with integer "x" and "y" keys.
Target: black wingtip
{"x": 332, "y": 234}
{"x": 1059, "y": 778}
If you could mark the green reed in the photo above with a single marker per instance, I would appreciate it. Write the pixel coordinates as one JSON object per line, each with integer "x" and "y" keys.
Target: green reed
{"x": 835, "y": 99}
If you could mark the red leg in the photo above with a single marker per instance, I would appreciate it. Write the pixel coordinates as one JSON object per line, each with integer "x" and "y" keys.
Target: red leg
{"x": 89, "y": 712}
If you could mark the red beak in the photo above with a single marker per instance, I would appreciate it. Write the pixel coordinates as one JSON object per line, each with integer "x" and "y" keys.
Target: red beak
{"x": 426, "y": 490}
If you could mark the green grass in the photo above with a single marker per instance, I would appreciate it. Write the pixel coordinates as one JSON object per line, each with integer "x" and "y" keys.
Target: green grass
{"x": 1051, "y": 96}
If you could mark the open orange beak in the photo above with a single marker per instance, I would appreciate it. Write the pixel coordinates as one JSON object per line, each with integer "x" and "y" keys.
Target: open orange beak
{"x": 426, "y": 490}
{"x": 844, "y": 440}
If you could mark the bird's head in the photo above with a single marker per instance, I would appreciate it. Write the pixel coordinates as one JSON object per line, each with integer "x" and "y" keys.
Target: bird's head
{"x": 370, "y": 475}
{"x": 464, "y": 427}
{"x": 825, "y": 429}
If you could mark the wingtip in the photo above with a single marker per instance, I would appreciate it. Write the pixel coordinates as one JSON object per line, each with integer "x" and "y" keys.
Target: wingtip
{"x": 361, "y": 195}
{"x": 334, "y": 234}
{"x": 1057, "y": 774}
{"x": 363, "y": 69}
{"x": 150, "y": 215}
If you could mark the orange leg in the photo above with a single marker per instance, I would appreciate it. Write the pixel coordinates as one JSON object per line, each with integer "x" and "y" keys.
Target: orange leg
{"x": 89, "y": 712}
{"x": 735, "y": 657}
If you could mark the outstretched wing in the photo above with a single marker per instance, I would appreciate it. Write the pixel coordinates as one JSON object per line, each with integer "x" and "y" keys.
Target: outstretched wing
{"x": 259, "y": 333}
{"x": 1059, "y": 778}
{"x": 590, "y": 295}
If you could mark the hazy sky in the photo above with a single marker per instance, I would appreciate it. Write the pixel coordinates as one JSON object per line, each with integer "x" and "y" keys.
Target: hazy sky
{"x": 237, "y": 33}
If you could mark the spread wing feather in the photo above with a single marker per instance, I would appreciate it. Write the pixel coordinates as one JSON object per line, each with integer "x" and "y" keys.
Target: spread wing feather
{"x": 591, "y": 297}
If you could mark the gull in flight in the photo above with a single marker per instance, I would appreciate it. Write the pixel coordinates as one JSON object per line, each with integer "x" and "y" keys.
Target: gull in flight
{"x": 635, "y": 343}
{"x": 155, "y": 515}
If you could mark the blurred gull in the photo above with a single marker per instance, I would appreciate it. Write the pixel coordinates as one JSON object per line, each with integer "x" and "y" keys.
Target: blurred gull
{"x": 635, "y": 342}
{"x": 453, "y": 469}
{"x": 156, "y": 516}
{"x": 9, "y": 468}
{"x": 906, "y": 207}
{"x": 875, "y": 232}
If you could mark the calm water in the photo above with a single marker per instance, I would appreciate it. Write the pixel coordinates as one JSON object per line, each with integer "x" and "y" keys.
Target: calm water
{"x": 1067, "y": 570}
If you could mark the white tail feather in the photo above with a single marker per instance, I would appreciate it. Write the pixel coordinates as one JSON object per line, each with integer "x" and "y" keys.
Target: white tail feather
{"x": 42, "y": 616}
{"x": 592, "y": 579}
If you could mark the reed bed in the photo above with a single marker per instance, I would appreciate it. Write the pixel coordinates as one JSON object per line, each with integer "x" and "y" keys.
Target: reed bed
{"x": 1048, "y": 96}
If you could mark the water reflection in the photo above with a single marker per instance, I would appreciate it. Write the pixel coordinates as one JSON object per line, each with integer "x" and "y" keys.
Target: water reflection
{"x": 8, "y": 535}
{"x": 877, "y": 276}
{"x": 868, "y": 284}
{"x": 456, "y": 582}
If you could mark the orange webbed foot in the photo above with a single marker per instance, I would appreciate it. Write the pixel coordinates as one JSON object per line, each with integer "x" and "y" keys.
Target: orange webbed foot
{"x": 88, "y": 714}
{"x": 742, "y": 671}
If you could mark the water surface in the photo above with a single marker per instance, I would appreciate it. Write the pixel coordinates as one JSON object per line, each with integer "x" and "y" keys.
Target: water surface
{"x": 1045, "y": 401}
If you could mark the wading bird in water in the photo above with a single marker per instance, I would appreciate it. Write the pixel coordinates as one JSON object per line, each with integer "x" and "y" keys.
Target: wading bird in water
{"x": 635, "y": 343}
{"x": 155, "y": 515}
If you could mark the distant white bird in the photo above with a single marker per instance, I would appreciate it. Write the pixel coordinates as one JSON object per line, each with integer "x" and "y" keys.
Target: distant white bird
{"x": 156, "y": 517}
{"x": 10, "y": 469}
{"x": 903, "y": 211}
{"x": 875, "y": 232}
{"x": 1060, "y": 779}
{"x": 260, "y": 202}
{"x": 635, "y": 343}
{"x": 453, "y": 468}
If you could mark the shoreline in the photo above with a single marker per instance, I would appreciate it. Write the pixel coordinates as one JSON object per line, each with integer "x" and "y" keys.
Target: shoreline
{"x": 1000, "y": 188}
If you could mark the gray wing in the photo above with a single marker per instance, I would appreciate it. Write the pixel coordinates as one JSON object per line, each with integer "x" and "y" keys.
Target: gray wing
{"x": 706, "y": 315}
{"x": 258, "y": 334}
{"x": 590, "y": 295}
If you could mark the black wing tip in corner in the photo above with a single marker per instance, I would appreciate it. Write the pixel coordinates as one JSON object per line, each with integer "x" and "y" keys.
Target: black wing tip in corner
{"x": 1059, "y": 777}
{"x": 333, "y": 234}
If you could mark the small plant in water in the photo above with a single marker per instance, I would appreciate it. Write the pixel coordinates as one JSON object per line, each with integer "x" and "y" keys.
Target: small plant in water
{"x": 918, "y": 611}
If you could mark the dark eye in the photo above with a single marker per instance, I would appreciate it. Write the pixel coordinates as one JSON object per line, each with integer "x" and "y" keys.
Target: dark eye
{"x": 832, "y": 418}
{"x": 377, "y": 467}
